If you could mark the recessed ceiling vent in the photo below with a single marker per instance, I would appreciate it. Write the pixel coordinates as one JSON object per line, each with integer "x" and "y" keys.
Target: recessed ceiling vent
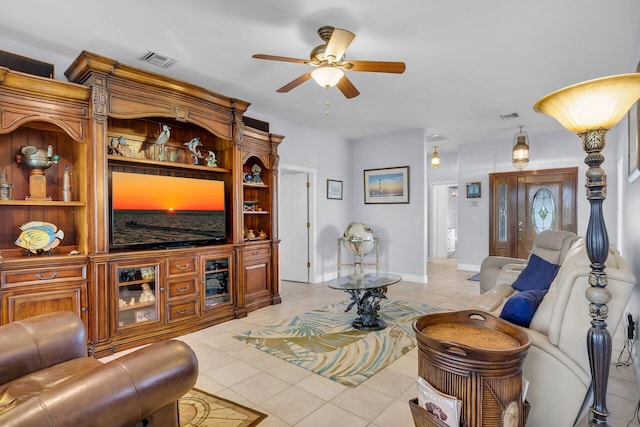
{"x": 436, "y": 137}
{"x": 157, "y": 59}
{"x": 509, "y": 116}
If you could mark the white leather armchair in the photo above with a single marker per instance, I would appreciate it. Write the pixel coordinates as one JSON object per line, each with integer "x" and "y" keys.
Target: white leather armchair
{"x": 551, "y": 245}
{"x": 557, "y": 363}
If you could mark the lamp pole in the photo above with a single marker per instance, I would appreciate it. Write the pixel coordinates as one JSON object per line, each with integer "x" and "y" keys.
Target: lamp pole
{"x": 597, "y": 245}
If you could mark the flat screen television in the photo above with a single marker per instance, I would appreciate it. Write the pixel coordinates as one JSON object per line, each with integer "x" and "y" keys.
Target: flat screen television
{"x": 159, "y": 211}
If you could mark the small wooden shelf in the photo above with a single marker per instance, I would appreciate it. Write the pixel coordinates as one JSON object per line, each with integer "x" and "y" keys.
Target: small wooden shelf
{"x": 136, "y": 282}
{"x": 255, "y": 185}
{"x": 137, "y": 305}
{"x": 130, "y": 160}
{"x": 256, "y": 212}
{"x": 52, "y": 203}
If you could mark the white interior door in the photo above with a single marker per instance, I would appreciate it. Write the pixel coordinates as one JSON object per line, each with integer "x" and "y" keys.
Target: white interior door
{"x": 293, "y": 229}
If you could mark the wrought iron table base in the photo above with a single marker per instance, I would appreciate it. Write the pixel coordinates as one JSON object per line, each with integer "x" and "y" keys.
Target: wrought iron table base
{"x": 367, "y": 302}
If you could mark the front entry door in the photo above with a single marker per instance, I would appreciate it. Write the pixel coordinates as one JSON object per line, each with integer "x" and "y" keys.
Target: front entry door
{"x": 524, "y": 203}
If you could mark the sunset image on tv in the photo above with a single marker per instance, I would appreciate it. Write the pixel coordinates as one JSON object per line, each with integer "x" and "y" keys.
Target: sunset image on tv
{"x": 160, "y": 209}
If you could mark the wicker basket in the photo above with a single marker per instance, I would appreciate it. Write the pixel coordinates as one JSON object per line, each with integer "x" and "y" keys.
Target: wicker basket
{"x": 476, "y": 357}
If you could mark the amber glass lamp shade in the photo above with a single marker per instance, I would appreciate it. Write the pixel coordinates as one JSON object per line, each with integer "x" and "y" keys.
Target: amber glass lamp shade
{"x": 594, "y": 104}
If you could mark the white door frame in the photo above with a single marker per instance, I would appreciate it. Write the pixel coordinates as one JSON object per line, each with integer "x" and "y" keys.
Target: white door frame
{"x": 435, "y": 206}
{"x": 312, "y": 213}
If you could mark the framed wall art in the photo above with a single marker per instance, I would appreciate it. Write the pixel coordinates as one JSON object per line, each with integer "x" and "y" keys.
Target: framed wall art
{"x": 387, "y": 185}
{"x": 474, "y": 190}
{"x": 334, "y": 189}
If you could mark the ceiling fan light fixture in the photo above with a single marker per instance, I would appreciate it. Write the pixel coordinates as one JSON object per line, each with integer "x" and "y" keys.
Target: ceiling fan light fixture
{"x": 327, "y": 76}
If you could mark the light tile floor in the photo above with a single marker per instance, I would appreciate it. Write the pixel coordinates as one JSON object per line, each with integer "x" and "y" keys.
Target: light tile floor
{"x": 293, "y": 396}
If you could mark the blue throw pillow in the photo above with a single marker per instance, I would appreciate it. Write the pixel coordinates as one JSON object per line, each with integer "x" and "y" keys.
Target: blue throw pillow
{"x": 520, "y": 308}
{"x": 538, "y": 274}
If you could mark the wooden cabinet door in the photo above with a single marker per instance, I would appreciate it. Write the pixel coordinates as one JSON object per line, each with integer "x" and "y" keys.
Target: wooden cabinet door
{"x": 257, "y": 279}
{"x": 23, "y": 304}
{"x": 524, "y": 203}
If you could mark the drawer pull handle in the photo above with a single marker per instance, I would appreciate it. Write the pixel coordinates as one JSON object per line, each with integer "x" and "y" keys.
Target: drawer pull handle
{"x": 53, "y": 276}
{"x": 185, "y": 289}
{"x": 185, "y": 311}
{"x": 180, "y": 267}
{"x": 255, "y": 253}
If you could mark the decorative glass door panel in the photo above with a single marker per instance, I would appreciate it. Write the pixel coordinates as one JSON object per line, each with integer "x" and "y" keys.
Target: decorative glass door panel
{"x": 137, "y": 293}
{"x": 216, "y": 282}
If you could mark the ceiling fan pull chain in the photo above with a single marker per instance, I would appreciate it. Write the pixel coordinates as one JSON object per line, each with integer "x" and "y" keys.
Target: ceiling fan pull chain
{"x": 328, "y": 104}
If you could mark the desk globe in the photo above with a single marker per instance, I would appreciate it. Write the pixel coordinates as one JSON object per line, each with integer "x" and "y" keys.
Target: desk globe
{"x": 358, "y": 238}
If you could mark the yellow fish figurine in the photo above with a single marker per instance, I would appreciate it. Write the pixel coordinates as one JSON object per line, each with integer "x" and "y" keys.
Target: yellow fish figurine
{"x": 39, "y": 236}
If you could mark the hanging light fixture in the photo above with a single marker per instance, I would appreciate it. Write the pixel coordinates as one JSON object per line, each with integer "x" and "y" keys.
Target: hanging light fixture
{"x": 435, "y": 159}
{"x": 327, "y": 75}
{"x": 520, "y": 152}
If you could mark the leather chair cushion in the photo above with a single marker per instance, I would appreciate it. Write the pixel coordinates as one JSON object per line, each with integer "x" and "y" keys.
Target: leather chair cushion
{"x": 19, "y": 390}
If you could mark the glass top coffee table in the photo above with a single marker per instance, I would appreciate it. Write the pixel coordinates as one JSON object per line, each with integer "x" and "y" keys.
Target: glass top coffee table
{"x": 366, "y": 291}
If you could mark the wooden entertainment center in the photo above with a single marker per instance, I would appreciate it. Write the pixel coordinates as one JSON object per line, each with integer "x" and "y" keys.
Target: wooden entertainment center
{"x": 107, "y": 119}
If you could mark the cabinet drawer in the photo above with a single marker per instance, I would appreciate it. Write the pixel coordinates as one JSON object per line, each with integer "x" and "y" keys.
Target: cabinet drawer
{"x": 259, "y": 252}
{"x": 182, "y": 310}
{"x": 45, "y": 275}
{"x": 182, "y": 288}
{"x": 182, "y": 265}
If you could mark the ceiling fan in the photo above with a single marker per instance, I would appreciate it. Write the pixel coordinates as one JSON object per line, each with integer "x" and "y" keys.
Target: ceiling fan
{"x": 330, "y": 63}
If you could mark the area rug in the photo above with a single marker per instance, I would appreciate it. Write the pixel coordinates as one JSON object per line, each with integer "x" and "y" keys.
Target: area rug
{"x": 323, "y": 341}
{"x": 199, "y": 408}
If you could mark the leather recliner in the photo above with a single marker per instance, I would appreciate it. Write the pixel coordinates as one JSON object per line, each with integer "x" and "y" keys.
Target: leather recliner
{"x": 47, "y": 379}
{"x": 557, "y": 363}
{"x": 550, "y": 245}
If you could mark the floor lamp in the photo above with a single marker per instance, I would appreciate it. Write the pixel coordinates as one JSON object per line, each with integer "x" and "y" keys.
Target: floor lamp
{"x": 590, "y": 109}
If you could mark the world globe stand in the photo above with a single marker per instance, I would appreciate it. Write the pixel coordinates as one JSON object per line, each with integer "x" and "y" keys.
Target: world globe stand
{"x": 358, "y": 263}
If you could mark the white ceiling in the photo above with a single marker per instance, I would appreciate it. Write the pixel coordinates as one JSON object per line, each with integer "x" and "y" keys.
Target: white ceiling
{"x": 468, "y": 61}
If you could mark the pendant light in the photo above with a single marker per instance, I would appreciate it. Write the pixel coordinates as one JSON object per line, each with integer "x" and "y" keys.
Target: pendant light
{"x": 435, "y": 159}
{"x": 520, "y": 152}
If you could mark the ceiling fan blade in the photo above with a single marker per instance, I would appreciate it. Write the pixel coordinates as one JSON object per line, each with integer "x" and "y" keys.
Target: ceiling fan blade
{"x": 280, "y": 58}
{"x": 374, "y": 66}
{"x": 338, "y": 44}
{"x": 347, "y": 88}
{"x": 295, "y": 83}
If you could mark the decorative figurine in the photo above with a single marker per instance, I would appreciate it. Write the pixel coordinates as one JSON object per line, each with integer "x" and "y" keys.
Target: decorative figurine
{"x": 256, "y": 169}
{"x": 5, "y": 187}
{"x": 39, "y": 237}
{"x": 146, "y": 295}
{"x": 37, "y": 160}
{"x": 66, "y": 184}
{"x": 211, "y": 160}
{"x": 193, "y": 149}
{"x": 173, "y": 155}
{"x": 162, "y": 138}
{"x": 120, "y": 147}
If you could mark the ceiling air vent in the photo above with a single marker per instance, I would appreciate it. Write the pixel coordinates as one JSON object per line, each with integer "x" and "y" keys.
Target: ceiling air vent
{"x": 509, "y": 116}
{"x": 436, "y": 137}
{"x": 157, "y": 59}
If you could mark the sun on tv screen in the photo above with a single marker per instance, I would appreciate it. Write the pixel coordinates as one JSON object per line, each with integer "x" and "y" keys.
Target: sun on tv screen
{"x": 165, "y": 211}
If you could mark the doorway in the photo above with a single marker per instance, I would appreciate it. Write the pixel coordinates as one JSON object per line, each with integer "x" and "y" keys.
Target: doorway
{"x": 524, "y": 203}
{"x": 294, "y": 225}
{"x": 444, "y": 227}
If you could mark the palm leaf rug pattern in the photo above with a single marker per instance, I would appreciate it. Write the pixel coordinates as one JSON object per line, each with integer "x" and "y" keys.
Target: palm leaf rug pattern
{"x": 324, "y": 342}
